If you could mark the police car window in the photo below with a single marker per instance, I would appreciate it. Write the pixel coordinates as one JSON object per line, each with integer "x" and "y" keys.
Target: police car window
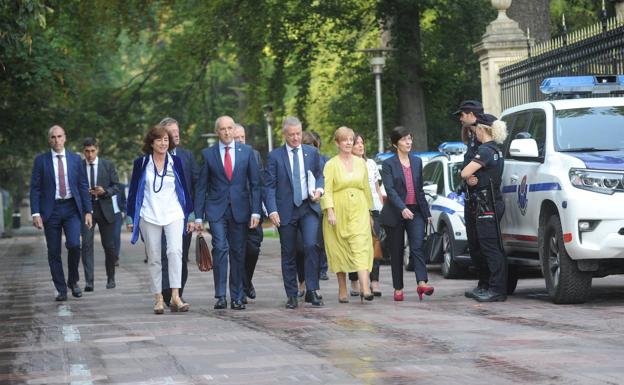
{"x": 434, "y": 174}
{"x": 508, "y": 120}
{"x": 428, "y": 172}
{"x": 537, "y": 130}
{"x": 455, "y": 179}
{"x": 439, "y": 177}
{"x": 520, "y": 129}
{"x": 590, "y": 129}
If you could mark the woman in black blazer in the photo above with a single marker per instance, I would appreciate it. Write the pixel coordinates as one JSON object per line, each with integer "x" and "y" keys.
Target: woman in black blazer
{"x": 405, "y": 209}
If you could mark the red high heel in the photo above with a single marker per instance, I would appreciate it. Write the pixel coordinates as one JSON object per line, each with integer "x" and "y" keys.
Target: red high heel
{"x": 398, "y": 295}
{"x": 424, "y": 290}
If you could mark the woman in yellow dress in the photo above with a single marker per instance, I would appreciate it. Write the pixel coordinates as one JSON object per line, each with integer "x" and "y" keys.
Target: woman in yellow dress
{"x": 347, "y": 202}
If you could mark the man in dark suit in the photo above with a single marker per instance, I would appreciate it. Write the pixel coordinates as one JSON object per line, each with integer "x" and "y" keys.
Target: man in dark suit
{"x": 190, "y": 174}
{"x": 254, "y": 235}
{"x": 228, "y": 196}
{"x": 103, "y": 184}
{"x": 59, "y": 200}
{"x": 293, "y": 208}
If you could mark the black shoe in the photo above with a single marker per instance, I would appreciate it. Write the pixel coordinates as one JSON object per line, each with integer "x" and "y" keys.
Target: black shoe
{"x": 76, "y": 292}
{"x": 237, "y": 305}
{"x": 312, "y": 297}
{"x": 291, "y": 303}
{"x": 61, "y": 297}
{"x": 251, "y": 293}
{"x": 491, "y": 296}
{"x": 110, "y": 284}
{"x": 475, "y": 292}
{"x": 221, "y": 303}
{"x": 145, "y": 260}
{"x": 244, "y": 301}
{"x": 323, "y": 276}
{"x": 410, "y": 266}
{"x": 88, "y": 287}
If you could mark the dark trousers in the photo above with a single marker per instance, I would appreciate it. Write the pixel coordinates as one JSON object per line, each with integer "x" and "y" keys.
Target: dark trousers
{"x": 66, "y": 218}
{"x": 228, "y": 242}
{"x": 252, "y": 251}
{"x": 321, "y": 245}
{"x": 487, "y": 234}
{"x": 478, "y": 260}
{"x": 186, "y": 244}
{"x": 415, "y": 229}
{"x": 118, "y": 224}
{"x": 306, "y": 220}
{"x": 107, "y": 235}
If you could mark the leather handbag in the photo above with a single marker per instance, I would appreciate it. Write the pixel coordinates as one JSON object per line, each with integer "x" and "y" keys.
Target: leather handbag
{"x": 203, "y": 256}
{"x": 433, "y": 245}
{"x": 377, "y": 249}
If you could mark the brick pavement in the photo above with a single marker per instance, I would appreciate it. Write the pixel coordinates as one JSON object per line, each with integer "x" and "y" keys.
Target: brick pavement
{"x": 111, "y": 336}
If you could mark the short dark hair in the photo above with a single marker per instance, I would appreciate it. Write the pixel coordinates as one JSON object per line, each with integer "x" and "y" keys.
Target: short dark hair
{"x": 397, "y": 133}
{"x": 355, "y": 138}
{"x": 308, "y": 138}
{"x": 156, "y": 132}
{"x": 88, "y": 142}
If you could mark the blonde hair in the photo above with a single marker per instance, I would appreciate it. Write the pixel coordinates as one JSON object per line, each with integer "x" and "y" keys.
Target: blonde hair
{"x": 498, "y": 130}
{"x": 343, "y": 132}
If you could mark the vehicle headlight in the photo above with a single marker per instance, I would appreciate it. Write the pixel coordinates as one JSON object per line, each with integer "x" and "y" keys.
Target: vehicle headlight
{"x": 597, "y": 181}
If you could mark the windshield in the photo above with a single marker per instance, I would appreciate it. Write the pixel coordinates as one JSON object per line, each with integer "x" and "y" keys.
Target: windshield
{"x": 590, "y": 129}
{"x": 455, "y": 179}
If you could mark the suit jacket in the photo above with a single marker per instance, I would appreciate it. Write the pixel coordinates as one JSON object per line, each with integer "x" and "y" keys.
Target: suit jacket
{"x": 278, "y": 180}
{"x": 394, "y": 183}
{"x": 137, "y": 188}
{"x": 190, "y": 168}
{"x": 215, "y": 192}
{"x": 108, "y": 179}
{"x": 43, "y": 184}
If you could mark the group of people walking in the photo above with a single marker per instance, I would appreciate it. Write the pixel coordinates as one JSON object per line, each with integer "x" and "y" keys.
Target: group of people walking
{"x": 334, "y": 207}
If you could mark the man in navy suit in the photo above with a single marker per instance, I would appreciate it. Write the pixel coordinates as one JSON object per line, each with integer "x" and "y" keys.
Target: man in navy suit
{"x": 59, "y": 199}
{"x": 293, "y": 208}
{"x": 190, "y": 174}
{"x": 228, "y": 196}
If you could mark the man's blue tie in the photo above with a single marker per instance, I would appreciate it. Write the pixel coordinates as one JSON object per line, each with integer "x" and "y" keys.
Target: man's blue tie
{"x": 296, "y": 179}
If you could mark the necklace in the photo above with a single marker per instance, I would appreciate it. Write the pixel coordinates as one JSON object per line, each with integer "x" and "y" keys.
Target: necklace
{"x": 156, "y": 175}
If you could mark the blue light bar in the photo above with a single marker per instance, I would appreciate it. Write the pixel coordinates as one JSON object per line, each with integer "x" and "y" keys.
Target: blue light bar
{"x": 577, "y": 84}
{"x": 452, "y": 147}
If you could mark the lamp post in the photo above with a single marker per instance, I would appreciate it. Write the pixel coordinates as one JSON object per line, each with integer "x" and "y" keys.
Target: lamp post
{"x": 378, "y": 62}
{"x": 268, "y": 117}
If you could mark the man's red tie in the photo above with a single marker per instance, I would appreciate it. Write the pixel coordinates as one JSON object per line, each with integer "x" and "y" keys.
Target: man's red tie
{"x": 61, "y": 175}
{"x": 227, "y": 163}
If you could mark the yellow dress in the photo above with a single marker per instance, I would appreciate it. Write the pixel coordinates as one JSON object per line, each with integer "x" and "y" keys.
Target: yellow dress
{"x": 348, "y": 244}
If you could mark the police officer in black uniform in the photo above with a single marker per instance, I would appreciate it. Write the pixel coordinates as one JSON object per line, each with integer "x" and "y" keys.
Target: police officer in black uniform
{"x": 467, "y": 113}
{"x": 484, "y": 174}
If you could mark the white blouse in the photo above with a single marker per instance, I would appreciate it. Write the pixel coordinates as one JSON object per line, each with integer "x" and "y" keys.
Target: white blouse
{"x": 162, "y": 207}
{"x": 373, "y": 179}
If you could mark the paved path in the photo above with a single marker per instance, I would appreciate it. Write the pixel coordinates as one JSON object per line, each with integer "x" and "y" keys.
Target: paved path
{"x": 111, "y": 336}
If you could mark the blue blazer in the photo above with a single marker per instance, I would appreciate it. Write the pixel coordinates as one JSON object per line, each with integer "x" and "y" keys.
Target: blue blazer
{"x": 43, "y": 184}
{"x": 137, "y": 188}
{"x": 278, "y": 180}
{"x": 215, "y": 192}
{"x": 396, "y": 189}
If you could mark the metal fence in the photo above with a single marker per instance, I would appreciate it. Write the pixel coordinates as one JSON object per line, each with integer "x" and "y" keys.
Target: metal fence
{"x": 595, "y": 50}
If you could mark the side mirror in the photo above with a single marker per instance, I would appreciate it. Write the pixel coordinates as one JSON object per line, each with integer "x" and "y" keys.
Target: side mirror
{"x": 431, "y": 189}
{"x": 523, "y": 148}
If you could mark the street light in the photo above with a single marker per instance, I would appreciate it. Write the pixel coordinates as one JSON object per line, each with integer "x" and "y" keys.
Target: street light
{"x": 268, "y": 117}
{"x": 378, "y": 62}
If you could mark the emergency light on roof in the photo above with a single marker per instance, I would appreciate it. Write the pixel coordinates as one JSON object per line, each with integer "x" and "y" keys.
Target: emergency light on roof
{"x": 452, "y": 148}
{"x": 582, "y": 84}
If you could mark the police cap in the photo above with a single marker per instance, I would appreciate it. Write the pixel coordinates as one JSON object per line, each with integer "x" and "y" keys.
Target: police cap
{"x": 473, "y": 106}
{"x": 486, "y": 119}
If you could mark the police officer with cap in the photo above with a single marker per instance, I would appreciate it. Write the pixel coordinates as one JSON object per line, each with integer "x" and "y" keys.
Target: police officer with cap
{"x": 467, "y": 113}
{"x": 483, "y": 174}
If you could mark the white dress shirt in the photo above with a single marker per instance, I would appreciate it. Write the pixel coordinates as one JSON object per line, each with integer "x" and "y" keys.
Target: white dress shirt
{"x": 302, "y": 173}
{"x": 57, "y": 195}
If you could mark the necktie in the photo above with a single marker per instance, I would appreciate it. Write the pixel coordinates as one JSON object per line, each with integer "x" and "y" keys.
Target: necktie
{"x": 296, "y": 179}
{"x": 61, "y": 175}
{"x": 227, "y": 163}
{"x": 91, "y": 175}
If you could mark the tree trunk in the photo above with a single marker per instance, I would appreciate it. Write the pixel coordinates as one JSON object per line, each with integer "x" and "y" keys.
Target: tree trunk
{"x": 534, "y": 14}
{"x": 405, "y": 38}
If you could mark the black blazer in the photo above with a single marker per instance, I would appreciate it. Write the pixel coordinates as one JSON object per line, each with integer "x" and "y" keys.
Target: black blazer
{"x": 108, "y": 179}
{"x": 394, "y": 183}
{"x": 191, "y": 170}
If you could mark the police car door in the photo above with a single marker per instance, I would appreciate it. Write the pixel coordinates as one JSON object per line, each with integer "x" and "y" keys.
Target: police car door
{"x": 520, "y": 182}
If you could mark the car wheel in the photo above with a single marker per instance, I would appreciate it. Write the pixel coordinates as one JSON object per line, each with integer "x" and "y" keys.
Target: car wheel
{"x": 448, "y": 267}
{"x": 512, "y": 279}
{"x": 564, "y": 281}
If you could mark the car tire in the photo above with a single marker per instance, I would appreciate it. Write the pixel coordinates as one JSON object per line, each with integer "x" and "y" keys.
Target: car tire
{"x": 512, "y": 279}
{"x": 565, "y": 283}
{"x": 449, "y": 268}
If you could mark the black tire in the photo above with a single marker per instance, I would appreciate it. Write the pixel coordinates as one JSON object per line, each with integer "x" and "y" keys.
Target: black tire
{"x": 449, "y": 268}
{"x": 565, "y": 283}
{"x": 512, "y": 279}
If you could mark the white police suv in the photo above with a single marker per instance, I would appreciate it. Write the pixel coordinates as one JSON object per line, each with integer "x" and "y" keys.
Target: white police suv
{"x": 563, "y": 184}
{"x": 442, "y": 184}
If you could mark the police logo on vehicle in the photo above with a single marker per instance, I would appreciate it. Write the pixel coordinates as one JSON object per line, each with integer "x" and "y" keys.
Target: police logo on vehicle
{"x": 522, "y": 195}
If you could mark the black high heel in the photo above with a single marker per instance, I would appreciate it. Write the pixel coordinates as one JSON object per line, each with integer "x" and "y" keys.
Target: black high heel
{"x": 368, "y": 297}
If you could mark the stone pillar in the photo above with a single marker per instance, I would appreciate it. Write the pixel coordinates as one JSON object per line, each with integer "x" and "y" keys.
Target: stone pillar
{"x": 502, "y": 41}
